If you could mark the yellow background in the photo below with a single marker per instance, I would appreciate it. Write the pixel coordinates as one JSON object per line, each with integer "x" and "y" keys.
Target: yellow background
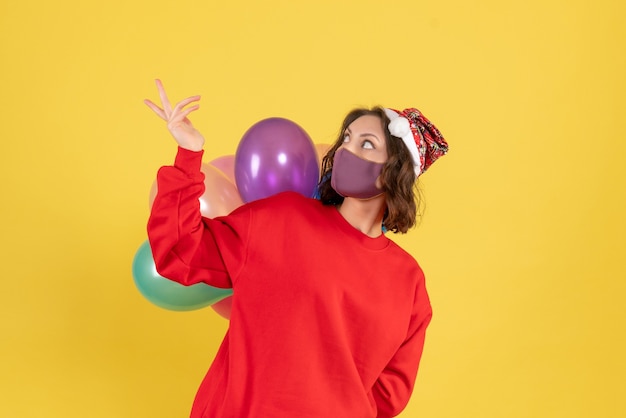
{"x": 523, "y": 235}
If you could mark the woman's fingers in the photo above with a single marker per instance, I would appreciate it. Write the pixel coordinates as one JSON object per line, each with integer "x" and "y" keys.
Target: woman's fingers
{"x": 183, "y": 115}
{"x": 178, "y": 109}
{"x": 180, "y": 105}
{"x": 167, "y": 108}
{"x": 156, "y": 109}
{"x": 178, "y": 124}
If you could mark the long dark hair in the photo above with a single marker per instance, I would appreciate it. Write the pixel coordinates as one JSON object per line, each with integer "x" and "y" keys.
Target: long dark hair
{"x": 398, "y": 176}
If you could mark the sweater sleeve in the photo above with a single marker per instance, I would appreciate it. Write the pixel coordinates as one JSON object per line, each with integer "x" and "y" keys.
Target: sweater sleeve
{"x": 394, "y": 386}
{"x": 187, "y": 247}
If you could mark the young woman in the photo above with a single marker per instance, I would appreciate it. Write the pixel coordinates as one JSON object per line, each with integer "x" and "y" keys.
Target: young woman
{"x": 328, "y": 315}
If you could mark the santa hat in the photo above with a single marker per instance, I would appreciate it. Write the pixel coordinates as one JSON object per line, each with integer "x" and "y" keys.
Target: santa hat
{"x": 422, "y": 138}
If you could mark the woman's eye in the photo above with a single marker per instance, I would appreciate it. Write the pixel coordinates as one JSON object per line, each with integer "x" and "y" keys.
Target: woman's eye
{"x": 367, "y": 145}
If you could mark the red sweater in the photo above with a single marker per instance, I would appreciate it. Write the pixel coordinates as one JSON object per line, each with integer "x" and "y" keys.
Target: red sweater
{"x": 325, "y": 322}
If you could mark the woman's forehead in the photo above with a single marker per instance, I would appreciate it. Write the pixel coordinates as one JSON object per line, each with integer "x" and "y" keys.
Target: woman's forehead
{"x": 367, "y": 122}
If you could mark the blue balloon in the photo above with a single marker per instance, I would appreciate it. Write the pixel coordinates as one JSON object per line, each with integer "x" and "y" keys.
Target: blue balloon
{"x": 168, "y": 294}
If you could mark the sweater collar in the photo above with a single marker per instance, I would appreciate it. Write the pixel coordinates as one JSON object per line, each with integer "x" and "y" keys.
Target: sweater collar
{"x": 379, "y": 243}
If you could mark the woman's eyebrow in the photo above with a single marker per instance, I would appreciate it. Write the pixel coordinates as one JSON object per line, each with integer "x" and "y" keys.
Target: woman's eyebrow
{"x": 364, "y": 134}
{"x": 370, "y": 134}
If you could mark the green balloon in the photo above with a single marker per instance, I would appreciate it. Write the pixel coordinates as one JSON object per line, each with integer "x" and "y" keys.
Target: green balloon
{"x": 168, "y": 294}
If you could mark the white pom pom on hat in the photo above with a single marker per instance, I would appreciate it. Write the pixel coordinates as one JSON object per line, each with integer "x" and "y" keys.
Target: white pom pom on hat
{"x": 421, "y": 137}
{"x": 400, "y": 127}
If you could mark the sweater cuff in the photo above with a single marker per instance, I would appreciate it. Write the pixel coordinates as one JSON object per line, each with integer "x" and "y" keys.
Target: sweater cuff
{"x": 189, "y": 162}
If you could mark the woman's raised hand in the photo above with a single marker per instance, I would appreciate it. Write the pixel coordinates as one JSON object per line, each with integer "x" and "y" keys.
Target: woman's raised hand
{"x": 178, "y": 124}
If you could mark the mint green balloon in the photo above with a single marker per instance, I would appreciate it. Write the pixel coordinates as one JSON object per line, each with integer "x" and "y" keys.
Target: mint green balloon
{"x": 168, "y": 294}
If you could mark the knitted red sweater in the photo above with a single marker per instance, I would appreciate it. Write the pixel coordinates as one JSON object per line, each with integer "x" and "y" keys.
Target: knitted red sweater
{"x": 325, "y": 322}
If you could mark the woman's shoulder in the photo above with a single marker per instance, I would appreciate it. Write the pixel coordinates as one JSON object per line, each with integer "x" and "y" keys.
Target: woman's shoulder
{"x": 287, "y": 210}
{"x": 286, "y": 199}
{"x": 403, "y": 257}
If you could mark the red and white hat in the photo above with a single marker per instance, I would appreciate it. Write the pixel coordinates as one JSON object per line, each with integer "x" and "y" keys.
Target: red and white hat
{"x": 422, "y": 138}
